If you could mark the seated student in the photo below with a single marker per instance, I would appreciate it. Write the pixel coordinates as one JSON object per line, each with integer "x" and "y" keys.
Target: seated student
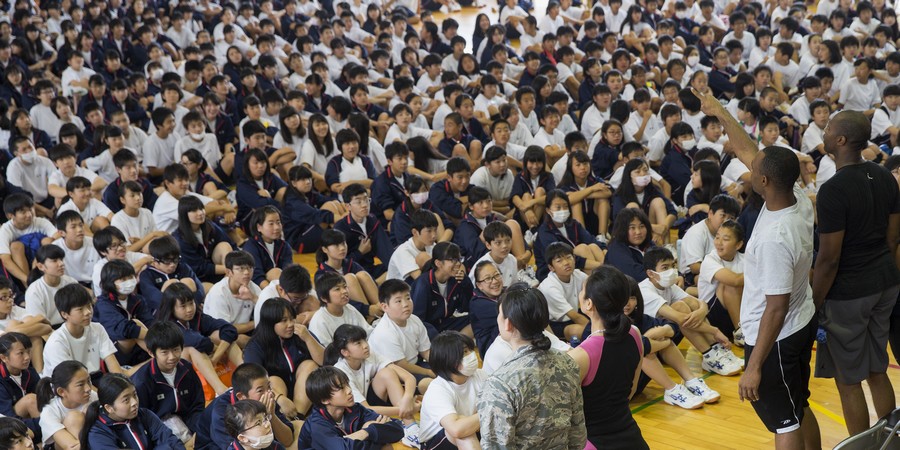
{"x": 134, "y": 221}
{"x": 206, "y": 144}
{"x": 286, "y": 349}
{"x": 250, "y": 425}
{"x": 48, "y": 276}
{"x": 558, "y": 226}
{"x": 886, "y": 119}
{"x": 588, "y": 195}
{"x": 116, "y": 417}
{"x": 232, "y": 298}
{"x": 203, "y": 243}
{"x": 417, "y": 198}
{"x": 441, "y": 293}
{"x": 18, "y": 381}
{"x": 334, "y": 296}
{"x": 661, "y": 338}
{"x": 126, "y": 164}
{"x": 111, "y": 245}
{"x": 66, "y": 168}
{"x": 168, "y": 385}
{"x": 249, "y": 381}
{"x": 676, "y": 164}
{"x": 206, "y": 339}
{"x": 200, "y": 178}
{"x": 706, "y": 183}
{"x": 80, "y": 254}
{"x": 632, "y": 150}
{"x": 332, "y": 258}
{"x": 561, "y": 288}
{"x": 410, "y": 256}
{"x": 664, "y": 299}
{"x": 698, "y": 241}
{"x": 448, "y": 408}
{"x": 637, "y": 191}
{"x": 22, "y": 235}
{"x": 31, "y": 172}
{"x": 93, "y": 211}
{"x": 530, "y": 188}
{"x": 495, "y": 177}
{"x": 14, "y": 432}
{"x": 175, "y": 182}
{"x": 450, "y": 196}
{"x": 483, "y": 305}
{"x": 257, "y": 186}
{"x": 400, "y": 336}
{"x": 606, "y": 154}
{"x": 498, "y": 239}
{"x": 270, "y": 252}
{"x": 375, "y": 382}
{"x": 340, "y": 417}
{"x": 349, "y": 167}
{"x": 631, "y": 237}
{"x": 388, "y": 188}
{"x": 307, "y": 212}
{"x": 63, "y": 396}
{"x": 469, "y": 230}
{"x": 167, "y": 268}
{"x": 366, "y": 235}
{"x": 295, "y": 285}
{"x": 457, "y": 142}
{"x": 123, "y": 312}
{"x": 721, "y": 280}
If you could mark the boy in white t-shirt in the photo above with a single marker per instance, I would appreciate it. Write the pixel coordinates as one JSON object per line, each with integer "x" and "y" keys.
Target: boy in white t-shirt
{"x": 663, "y": 298}
{"x": 134, "y": 221}
{"x": 233, "y": 298}
{"x": 400, "y": 336}
{"x": 81, "y": 256}
{"x": 334, "y": 295}
{"x": 498, "y": 240}
{"x": 93, "y": 211}
{"x": 494, "y": 176}
{"x": 22, "y": 235}
{"x": 39, "y": 296}
{"x": 721, "y": 280}
{"x": 561, "y": 288}
{"x": 31, "y": 172}
{"x": 176, "y": 181}
{"x": 698, "y": 241}
{"x": 410, "y": 257}
{"x": 66, "y": 168}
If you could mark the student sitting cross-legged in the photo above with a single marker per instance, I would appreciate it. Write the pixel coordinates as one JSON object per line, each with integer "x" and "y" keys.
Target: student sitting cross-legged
{"x": 332, "y": 258}
{"x": 233, "y": 298}
{"x": 558, "y": 226}
{"x": 561, "y": 288}
{"x": 411, "y": 255}
{"x": 267, "y": 246}
{"x": 168, "y": 385}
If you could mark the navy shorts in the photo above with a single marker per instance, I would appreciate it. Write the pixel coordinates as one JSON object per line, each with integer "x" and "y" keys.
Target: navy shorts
{"x": 438, "y": 442}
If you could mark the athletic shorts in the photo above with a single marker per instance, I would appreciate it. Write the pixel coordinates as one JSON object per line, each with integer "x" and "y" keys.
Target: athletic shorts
{"x": 438, "y": 442}
{"x": 784, "y": 381}
{"x": 856, "y": 336}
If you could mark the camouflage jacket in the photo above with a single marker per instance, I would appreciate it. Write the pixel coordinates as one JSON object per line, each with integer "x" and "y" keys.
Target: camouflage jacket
{"x": 533, "y": 401}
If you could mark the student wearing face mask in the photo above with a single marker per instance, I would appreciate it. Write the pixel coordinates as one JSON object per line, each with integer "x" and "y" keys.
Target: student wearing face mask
{"x": 417, "y": 198}
{"x": 123, "y": 312}
{"x": 676, "y": 164}
{"x": 250, "y": 426}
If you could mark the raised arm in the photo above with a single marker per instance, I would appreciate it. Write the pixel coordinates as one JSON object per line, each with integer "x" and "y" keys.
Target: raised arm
{"x": 744, "y": 147}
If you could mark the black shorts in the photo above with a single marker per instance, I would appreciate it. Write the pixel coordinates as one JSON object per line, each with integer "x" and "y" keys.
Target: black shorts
{"x": 784, "y": 381}
{"x": 718, "y": 316}
{"x": 559, "y": 328}
{"x": 438, "y": 442}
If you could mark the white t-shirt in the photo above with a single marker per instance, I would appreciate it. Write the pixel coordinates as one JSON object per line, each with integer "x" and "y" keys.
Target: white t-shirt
{"x": 91, "y": 348}
{"x": 165, "y": 210}
{"x": 500, "y": 187}
{"x": 656, "y": 298}
{"x": 270, "y": 292}
{"x": 9, "y": 233}
{"x": 394, "y": 342}
{"x": 53, "y": 414}
{"x": 132, "y": 227}
{"x": 444, "y": 397}
{"x": 352, "y": 170}
{"x": 32, "y": 177}
{"x": 69, "y": 75}
{"x": 95, "y": 208}
{"x": 827, "y": 169}
{"x": 361, "y": 379}
{"x": 323, "y": 323}
{"x": 318, "y": 163}
{"x": 403, "y": 261}
{"x": 80, "y": 263}
{"x": 856, "y": 96}
{"x": 696, "y": 243}
{"x": 508, "y": 268}
{"x": 222, "y": 304}
{"x": 39, "y": 299}
{"x": 159, "y": 152}
{"x": 208, "y": 147}
{"x": 395, "y": 134}
{"x": 777, "y": 262}
{"x": 16, "y": 313}
{"x": 562, "y": 297}
{"x": 60, "y": 180}
{"x": 712, "y": 264}
{"x": 500, "y": 351}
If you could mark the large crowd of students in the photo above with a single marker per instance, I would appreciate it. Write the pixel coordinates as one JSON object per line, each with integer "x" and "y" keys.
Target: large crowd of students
{"x": 492, "y": 218}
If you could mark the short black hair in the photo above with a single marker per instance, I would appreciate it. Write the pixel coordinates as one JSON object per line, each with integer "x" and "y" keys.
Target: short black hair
{"x": 103, "y": 239}
{"x": 295, "y": 279}
{"x": 656, "y": 255}
{"x": 164, "y": 248}
{"x": 241, "y": 414}
{"x": 725, "y": 202}
{"x": 164, "y": 335}
{"x": 238, "y": 258}
{"x": 112, "y": 271}
{"x": 17, "y": 202}
{"x": 447, "y": 351}
{"x": 352, "y": 191}
{"x": 396, "y": 148}
{"x": 456, "y": 165}
{"x": 556, "y": 250}
{"x": 478, "y": 194}
{"x": 423, "y": 219}
{"x": 325, "y": 283}
{"x": 72, "y": 296}
{"x": 66, "y": 217}
{"x": 781, "y": 166}
{"x": 323, "y": 382}
{"x": 496, "y": 229}
{"x": 243, "y": 377}
{"x": 391, "y": 287}
{"x": 130, "y": 186}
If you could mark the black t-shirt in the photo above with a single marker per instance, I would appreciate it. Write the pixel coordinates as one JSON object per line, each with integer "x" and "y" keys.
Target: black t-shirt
{"x": 859, "y": 200}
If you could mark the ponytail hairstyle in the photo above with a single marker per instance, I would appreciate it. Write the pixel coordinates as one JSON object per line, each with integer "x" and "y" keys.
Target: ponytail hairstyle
{"x": 193, "y": 155}
{"x": 60, "y": 378}
{"x": 109, "y": 389}
{"x": 11, "y": 430}
{"x": 527, "y": 311}
{"x": 345, "y": 335}
{"x": 442, "y": 251}
{"x": 259, "y": 218}
{"x": 329, "y": 237}
{"x": 44, "y": 253}
{"x": 176, "y": 294}
{"x": 270, "y": 314}
{"x": 608, "y": 291}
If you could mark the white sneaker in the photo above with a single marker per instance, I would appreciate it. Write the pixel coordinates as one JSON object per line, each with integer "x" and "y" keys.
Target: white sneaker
{"x": 719, "y": 363}
{"x": 739, "y": 337}
{"x": 671, "y": 248}
{"x": 699, "y": 388}
{"x": 527, "y": 275}
{"x": 411, "y": 435}
{"x": 682, "y": 397}
{"x": 529, "y": 238}
{"x": 454, "y": 6}
{"x": 735, "y": 359}
{"x": 602, "y": 239}
{"x": 445, "y": 10}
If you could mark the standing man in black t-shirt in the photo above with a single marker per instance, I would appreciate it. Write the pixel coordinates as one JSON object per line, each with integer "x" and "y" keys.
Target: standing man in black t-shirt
{"x": 856, "y": 279}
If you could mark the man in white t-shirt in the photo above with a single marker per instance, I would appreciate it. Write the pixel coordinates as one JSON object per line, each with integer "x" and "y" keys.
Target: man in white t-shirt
{"x": 400, "y": 336}
{"x": 30, "y": 171}
{"x": 233, "y": 298}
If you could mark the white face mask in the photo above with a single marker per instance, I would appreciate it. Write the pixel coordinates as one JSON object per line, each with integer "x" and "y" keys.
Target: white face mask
{"x": 693, "y": 60}
{"x": 667, "y": 277}
{"x": 156, "y": 75}
{"x": 688, "y": 144}
{"x": 419, "y": 198}
{"x": 197, "y": 136}
{"x": 560, "y": 216}
{"x": 469, "y": 365}
{"x": 681, "y": 14}
{"x": 126, "y": 287}
{"x": 641, "y": 181}
{"x": 28, "y": 157}
{"x": 260, "y": 441}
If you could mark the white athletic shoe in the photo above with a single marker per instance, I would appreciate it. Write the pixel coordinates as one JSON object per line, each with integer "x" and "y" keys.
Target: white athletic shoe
{"x": 454, "y": 7}
{"x": 737, "y": 360}
{"x": 682, "y": 397}
{"x": 719, "y": 363}
{"x": 699, "y": 388}
{"x": 411, "y": 435}
{"x": 527, "y": 275}
{"x": 739, "y": 337}
{"x": 529, "y": 238}
{"x": 445, "y": 10}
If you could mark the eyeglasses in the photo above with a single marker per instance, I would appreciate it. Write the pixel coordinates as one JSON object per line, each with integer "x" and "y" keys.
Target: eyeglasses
{"x": 297, "y": 298}
{"x": 116, "y": 246}
{"x": 454, "y": 260}
{"x": 169, "y": 261}
{"x": 496, "y": 277}
{"x": 266, "y": 421}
